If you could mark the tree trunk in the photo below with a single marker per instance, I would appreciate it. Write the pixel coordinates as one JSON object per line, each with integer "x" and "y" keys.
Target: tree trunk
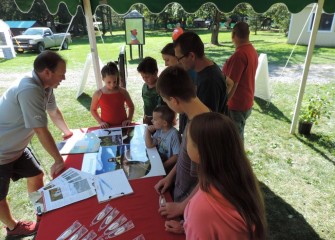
{"x": 165, "y": 22}
{"x": 52, "y": 23}
{"x": 110, "y": 20}
{"x": 216, "y": 28}
{"x": 103, "y": 18}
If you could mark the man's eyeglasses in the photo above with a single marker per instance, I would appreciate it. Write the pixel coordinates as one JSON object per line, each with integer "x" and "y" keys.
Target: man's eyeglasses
{"x": 180, "y": 58}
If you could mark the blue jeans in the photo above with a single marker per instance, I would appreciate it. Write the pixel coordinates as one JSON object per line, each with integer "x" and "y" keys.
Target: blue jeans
{"x": 240, "y": 118}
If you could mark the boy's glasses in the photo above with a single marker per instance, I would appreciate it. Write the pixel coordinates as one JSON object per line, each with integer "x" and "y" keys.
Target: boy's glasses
{"x": 180, "y": 58}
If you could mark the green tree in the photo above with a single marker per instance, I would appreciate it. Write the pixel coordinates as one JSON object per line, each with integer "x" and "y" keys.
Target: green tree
{"x": 104, "y": 15}
{"x": 209, "y": 12}
{"x": 278, "y": 13}
{"x": 62, "y": 18}
{"x": 244, "y": 12}
{"x": 173, "y": 13}
{"x": 281, "y": 16}
{"x": 9, "y": 11}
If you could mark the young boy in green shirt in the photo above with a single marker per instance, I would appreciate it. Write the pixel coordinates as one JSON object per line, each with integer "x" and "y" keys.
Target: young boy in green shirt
{"x": 151, "y": 99}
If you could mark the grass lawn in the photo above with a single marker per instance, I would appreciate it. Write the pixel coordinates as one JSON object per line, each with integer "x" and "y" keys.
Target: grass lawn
{"x": 296, "y": 172}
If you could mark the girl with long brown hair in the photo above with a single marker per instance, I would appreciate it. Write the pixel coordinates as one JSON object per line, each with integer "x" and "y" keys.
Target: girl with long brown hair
{"x": 229, "y": 204}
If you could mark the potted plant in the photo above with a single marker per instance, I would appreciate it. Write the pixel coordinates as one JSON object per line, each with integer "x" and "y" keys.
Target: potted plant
{"x": 316, "y": 107}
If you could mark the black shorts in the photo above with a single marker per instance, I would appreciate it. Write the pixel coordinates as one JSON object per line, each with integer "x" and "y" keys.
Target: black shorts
{"x": 24, "y": 167}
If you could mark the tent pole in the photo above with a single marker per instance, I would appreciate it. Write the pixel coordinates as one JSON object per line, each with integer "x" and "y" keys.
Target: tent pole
{"x": 93, "y": 42}
{"x": 307, "y": 64}
{"x": 67, "y": 31}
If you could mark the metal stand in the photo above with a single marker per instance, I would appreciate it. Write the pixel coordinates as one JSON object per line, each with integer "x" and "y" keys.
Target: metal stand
{"x": 140, "y": 51}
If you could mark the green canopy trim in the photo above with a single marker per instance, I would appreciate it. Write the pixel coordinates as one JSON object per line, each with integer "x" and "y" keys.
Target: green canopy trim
{"x": 156, "y": 6}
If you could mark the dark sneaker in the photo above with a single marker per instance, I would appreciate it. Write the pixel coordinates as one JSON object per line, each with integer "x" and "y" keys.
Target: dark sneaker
{"x": 22, "y": 228}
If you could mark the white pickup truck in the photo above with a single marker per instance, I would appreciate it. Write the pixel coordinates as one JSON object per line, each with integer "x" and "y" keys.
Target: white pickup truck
{"x": 40, "y": 38}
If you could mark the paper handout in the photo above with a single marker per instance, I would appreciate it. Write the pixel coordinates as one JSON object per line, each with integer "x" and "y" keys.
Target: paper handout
{"x": 82, "y": 143}
{"x": 74, "y": 185}
{"x": 70, "y": 187}
{"x": 112, "y": 185}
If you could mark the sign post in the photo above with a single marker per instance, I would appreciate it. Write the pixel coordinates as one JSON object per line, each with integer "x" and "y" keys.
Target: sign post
{"x": 134, "y": 25}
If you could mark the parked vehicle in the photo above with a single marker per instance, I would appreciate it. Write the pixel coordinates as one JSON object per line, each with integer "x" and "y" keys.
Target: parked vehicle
{"x": 40, "y": 38}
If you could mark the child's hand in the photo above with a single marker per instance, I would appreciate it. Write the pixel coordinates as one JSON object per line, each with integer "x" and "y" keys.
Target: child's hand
{"x": 66, "y": 136}
{"x": 104, "y": 125}
{"x": 171, "y": 210}
{"x": 151, "y": 129}
{"x": 163, "y": 185}
{"x": 126, "y": 123}
{"x": 174, "y": 226}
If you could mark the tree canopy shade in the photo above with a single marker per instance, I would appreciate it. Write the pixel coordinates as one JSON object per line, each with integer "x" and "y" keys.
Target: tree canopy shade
{"x": 156, "y": 6}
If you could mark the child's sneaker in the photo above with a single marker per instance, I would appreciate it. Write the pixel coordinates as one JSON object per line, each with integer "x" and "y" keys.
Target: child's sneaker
{"x": 22, "y": 228}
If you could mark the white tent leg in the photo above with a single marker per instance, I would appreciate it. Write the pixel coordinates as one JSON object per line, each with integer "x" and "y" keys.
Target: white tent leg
{"x": 93, "y": 42}
{"x": 307, "y": 64}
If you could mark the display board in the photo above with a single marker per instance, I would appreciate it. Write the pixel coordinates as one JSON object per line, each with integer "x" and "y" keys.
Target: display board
{"x": 6, "y": 45}
{"x": 262, "y": 80}
{"x": 123, "y": 148}
{"x": 123, "y": 67}
{"x": 134, "y": 31}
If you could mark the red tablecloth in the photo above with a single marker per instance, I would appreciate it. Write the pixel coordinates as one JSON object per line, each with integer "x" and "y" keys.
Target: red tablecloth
{"x": 141, "y": 207}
